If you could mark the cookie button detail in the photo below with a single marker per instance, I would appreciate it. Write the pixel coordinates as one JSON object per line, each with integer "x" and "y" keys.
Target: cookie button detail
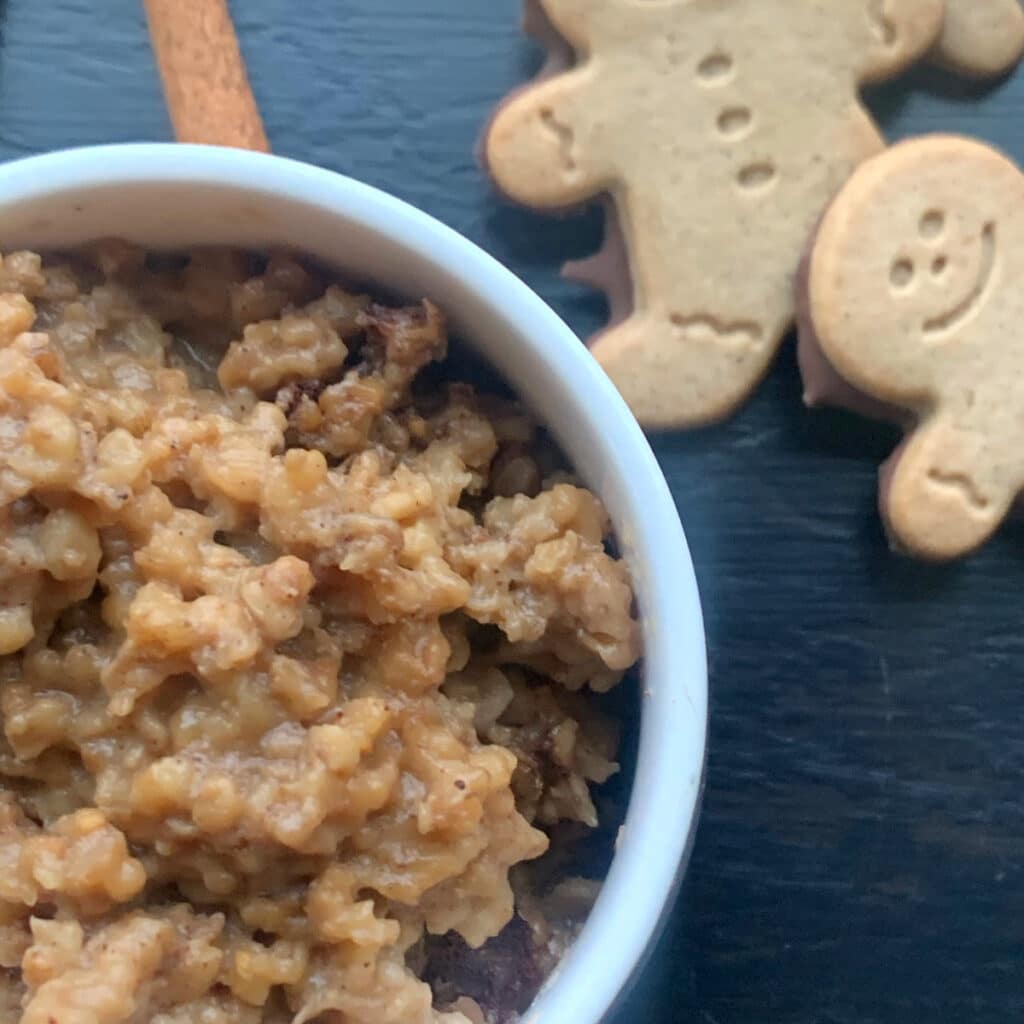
{"x": 735, "y": 122}
{"x": 714, "y": 70}
{"x": 757, "y": 177}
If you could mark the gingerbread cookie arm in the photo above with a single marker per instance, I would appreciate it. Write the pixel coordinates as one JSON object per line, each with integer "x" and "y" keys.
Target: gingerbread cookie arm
{"x": 982, "y": 37}
{"x": 936, "y": 499}
{"x": 891, "y": 34}
{"x": 533, "y": 147}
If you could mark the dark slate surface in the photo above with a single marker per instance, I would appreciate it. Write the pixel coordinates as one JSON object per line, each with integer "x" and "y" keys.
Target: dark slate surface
{"x": 860, "y": 857}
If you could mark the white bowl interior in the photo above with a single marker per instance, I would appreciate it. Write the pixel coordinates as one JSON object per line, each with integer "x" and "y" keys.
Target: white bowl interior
{"x": 165, "y": 196}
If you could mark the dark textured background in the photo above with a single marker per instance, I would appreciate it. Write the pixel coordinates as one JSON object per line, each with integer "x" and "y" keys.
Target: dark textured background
{"x": 860, "y": 857}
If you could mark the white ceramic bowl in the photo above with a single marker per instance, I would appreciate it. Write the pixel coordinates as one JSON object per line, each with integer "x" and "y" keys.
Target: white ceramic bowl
{"x": 173, "y": 196}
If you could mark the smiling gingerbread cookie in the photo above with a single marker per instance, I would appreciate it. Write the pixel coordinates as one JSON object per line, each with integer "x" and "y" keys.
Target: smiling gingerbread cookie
{"x": 720, "y": 130}
{"x": 913, "y": 298}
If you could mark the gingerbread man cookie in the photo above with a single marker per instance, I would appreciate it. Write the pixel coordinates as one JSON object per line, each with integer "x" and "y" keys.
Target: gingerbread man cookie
{"x": 982, "y": 37}
{"x": 721, "y": 130}
{"x": 913, "y": 297}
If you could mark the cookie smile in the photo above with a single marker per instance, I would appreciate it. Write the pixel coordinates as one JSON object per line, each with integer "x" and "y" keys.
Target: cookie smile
{"x": 935, "y": 327}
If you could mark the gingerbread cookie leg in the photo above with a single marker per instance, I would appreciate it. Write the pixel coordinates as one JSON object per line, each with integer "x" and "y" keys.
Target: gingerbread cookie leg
{"x": 939, "y": 494}
{"x": 982, "y": 37}
{"x": 662, "y": 364}
{"x": 912, "y": 297}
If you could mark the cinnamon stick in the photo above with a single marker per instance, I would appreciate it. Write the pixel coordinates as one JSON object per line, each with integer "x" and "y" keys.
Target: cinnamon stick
{"x": 203, "y": 72}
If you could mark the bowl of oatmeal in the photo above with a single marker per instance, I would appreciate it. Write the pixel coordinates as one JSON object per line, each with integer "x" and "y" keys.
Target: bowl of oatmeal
{"x": 318, "y": 642}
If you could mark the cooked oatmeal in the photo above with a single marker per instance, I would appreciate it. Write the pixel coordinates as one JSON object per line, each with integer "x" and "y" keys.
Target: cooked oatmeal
{"x": 294, "y": 659}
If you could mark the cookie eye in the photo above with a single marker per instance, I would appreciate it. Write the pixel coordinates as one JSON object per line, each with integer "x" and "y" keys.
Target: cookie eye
{"x": 901, "y": 274}
{"x": 939, "y": 265}
{"x": 932, "y": 225}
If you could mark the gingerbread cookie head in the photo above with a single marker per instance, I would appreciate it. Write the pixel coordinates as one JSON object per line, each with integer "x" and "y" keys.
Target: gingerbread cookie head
{"x": 720, "y": 128}
{"x": 913, "y": 297}
{"x": 982, "y": 37}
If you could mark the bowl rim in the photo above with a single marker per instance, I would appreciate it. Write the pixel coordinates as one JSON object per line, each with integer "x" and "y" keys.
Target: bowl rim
{"x": 662, "y": 816}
